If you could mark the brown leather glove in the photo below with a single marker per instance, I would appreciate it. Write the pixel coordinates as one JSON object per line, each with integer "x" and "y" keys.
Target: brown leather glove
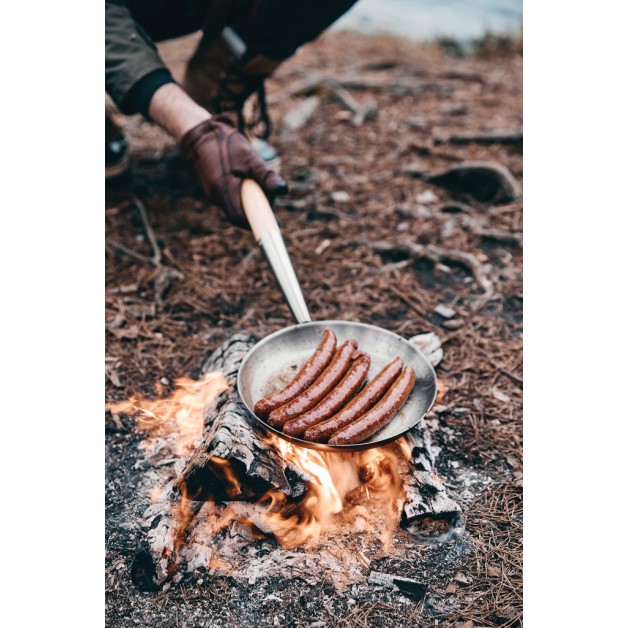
{"x": 222, "y": 158}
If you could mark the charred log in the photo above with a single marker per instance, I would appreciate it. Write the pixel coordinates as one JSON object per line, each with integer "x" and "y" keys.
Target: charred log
{"x": 235, "y": 466}
{"x": 428, "y": 512}
{"x": 234, "y": 462}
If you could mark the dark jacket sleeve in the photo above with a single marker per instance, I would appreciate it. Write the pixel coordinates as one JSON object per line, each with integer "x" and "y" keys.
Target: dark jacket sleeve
{"x": 133, "y": 67}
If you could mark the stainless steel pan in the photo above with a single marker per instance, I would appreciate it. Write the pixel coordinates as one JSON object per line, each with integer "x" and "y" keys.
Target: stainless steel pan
{"x": 292, "y": 346}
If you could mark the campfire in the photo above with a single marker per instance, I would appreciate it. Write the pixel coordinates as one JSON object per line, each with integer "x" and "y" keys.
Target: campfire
{"x": 219, "y": 487}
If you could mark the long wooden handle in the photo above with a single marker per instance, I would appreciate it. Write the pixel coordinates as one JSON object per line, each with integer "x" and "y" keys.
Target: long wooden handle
{"x": 257, "y": 209}
{"x": 266, "y": 231}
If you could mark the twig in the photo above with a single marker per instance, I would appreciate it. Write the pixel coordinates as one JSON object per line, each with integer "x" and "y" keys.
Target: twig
{"x": 462, "y": 76}
{"x": 130, "y": 253}
{"x": 333, "y": 88}
{"x": 165, "y": 274}
{"x": 156, "y": 259}
{"x": 476, "y": 227}
{"x": 497, "y": 137}
{"x": 516, "y": 378}
{"x": 499, "y": 235}
{"x": 415, "y": 306}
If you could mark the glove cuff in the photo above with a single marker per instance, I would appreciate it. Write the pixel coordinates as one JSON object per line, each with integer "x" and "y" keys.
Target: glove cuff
{"x": 188, "y": 141}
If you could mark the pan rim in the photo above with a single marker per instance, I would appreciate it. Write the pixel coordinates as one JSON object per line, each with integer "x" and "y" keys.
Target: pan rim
{"x": 257, "y": 422}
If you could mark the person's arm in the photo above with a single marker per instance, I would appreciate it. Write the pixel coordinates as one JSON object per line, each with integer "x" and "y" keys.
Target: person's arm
{"x": 134, "y": 71}
{"x": 139, "y": 82}
{"x": 171, "y": 108}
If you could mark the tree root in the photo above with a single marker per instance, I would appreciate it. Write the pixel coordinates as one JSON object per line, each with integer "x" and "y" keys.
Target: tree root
{"x": 437, "y": 255}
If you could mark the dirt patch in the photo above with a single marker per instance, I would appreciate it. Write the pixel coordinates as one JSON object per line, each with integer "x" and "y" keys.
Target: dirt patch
{"x": 158, "y": 330}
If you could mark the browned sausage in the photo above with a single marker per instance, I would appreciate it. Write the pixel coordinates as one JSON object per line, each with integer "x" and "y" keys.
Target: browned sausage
{"x": 336, "y": 399}
{"x": 380, "y": 414}
{"x": 321, "y": 387}
{"x": 365, "y": 400}
{"x": 303, "y": 379}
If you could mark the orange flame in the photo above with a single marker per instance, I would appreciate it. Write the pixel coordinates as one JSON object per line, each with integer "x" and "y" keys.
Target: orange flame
{"x": 342, "y": 484}
{"x": 182, "y": 413}
{"x": 359, "y": 491}
{"x": 441, "y": 389}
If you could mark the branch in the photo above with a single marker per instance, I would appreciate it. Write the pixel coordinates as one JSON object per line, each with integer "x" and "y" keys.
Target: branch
{"x": 150, "y": 234}
{"x": 438, "y": 254}
{"x": 494, "y": 137}
{"x": 128, "y": 252}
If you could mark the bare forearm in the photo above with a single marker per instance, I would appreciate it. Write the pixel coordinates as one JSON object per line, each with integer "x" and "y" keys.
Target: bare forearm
{"x": 171, "y": 108}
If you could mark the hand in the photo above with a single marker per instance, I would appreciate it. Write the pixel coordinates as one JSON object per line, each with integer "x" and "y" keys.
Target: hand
{"x": 222, "y": 158}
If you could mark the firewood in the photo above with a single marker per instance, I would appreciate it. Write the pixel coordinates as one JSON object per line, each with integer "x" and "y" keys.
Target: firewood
{"x": 236, "y": 463}
{"x": 495, "y": 137}
{"x": 482, "y": 180}
{"x": 254, "y": 463}
{"x": 428, "y": 512}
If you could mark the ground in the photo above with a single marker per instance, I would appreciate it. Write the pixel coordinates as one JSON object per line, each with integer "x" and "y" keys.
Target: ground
{"x": 160, "y": 325}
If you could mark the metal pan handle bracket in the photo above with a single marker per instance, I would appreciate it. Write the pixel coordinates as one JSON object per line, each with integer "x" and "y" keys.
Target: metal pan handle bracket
{"x": 266, "y": 231}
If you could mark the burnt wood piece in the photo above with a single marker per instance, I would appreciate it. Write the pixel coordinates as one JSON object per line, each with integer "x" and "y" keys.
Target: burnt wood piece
{"x": 428, "y": 511}
{"x": 229, "y": 442}
{"x": 255, "y": 465}
{"x": 496, "y": 137}
{"x": 484, "y": 181}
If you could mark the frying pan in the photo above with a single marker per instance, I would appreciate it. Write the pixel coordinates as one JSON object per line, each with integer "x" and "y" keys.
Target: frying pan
{"x": 290, "y": 347}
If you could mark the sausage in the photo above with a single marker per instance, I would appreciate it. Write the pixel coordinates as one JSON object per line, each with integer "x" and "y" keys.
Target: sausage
{"x": 303, "y": 379}
{"x": 336, "y": 399}
{"x": 319, "y": 389}
{"x": 365, "y": 400}
{"x": 380, "y": 414}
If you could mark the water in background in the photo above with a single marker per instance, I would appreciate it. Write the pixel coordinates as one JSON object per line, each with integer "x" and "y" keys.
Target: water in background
{"x": 430, "y": 19}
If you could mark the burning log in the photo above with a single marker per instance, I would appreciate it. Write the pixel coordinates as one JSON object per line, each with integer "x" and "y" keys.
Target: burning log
{"x": 234, "y": 462}
{"x": 238, "y": 470}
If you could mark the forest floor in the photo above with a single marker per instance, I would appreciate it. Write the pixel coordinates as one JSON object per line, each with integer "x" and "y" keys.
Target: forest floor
{"x": 351, "y": 187}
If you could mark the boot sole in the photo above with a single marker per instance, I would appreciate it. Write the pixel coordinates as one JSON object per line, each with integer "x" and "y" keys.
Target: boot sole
{"x": 117, "y": 169}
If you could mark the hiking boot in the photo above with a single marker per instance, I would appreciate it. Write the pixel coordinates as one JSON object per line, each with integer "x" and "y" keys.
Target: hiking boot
{"x": 116, "y": 150}
{"x": 221, "y": 77}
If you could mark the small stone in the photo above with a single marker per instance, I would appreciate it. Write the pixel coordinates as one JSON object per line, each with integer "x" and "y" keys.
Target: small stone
{"x": 451, "y": 588}
{"x": 403, "y": 226}
{"x": 445, "y": 311}
{"x": 460, "y": 411}
{"x": 416, "y": 123}
{"x": 271, "y": 597}
{"x": 422, "y": 211}
{"x": 461, "y": 578}
{"x": 340, "y": 197}
{"x": 455, "y": 323}
{"x": 322, "y": 246}
{"x": 426, "y": 197}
